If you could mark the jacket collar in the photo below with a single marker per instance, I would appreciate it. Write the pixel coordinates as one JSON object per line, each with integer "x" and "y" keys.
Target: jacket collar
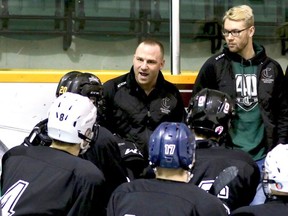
{"x": 134, "y": 86}
{"x": 206, "y": 143}
{"x": 256, "y": 60}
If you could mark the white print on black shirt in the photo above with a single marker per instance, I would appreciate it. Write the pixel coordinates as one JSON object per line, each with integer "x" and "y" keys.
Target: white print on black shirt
{"x": 11, "y": 197}
{"x": 224, "y": 193}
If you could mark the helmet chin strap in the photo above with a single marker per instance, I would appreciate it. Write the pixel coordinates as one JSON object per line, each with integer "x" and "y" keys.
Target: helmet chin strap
{"x": 85, "y": 143}
{"x": 189, "y": 171}
{"x": 189, "y": 176}
{"x": 84, "y": 146}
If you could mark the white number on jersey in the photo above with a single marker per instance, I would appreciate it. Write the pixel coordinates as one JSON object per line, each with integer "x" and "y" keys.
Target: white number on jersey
{"x": 207, "y": 184}
{"x": 11, "y": 197}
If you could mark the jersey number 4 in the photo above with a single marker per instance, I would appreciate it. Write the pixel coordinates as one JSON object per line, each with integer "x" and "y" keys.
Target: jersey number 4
{"x": 11, "y": 197}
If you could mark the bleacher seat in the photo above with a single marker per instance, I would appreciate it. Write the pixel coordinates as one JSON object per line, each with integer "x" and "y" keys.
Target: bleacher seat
{"x": 40, "y": 18}
{"x": 105, "y": 17}
{"x": 199, "y": 20}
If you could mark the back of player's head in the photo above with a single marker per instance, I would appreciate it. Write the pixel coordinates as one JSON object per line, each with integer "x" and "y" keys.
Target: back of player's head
{"x": 71, "y": 118}
{"x": 210, "y": 112}
{"x": 275, "y": 178}
{"x": 172, "y": 145}
{"x": 85, "y": 84}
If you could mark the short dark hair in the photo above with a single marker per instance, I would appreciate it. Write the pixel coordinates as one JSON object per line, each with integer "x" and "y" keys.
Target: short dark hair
{"x": 153, "y": 41}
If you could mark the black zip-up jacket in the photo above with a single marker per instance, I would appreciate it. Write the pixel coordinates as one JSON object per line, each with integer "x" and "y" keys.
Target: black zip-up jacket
{"x": 133, "y": 115}
{"x": 216, "y": 73}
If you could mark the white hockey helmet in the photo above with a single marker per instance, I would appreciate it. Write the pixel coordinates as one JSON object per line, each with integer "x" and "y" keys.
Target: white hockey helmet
{"x": 275, "y": 179}
{"x": 71, "y": 118}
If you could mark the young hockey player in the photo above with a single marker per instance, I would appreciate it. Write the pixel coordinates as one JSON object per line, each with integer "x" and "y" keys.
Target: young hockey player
{"x": 40, "y": 180}
{"x": 172, "y": 154}
{"x": 209, "y": 115}
{"x": 275, "y": 184}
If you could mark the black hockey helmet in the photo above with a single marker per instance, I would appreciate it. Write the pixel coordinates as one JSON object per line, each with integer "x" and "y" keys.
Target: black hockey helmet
{"x": 85, "y": 84}
{"x": 210, "y": 112}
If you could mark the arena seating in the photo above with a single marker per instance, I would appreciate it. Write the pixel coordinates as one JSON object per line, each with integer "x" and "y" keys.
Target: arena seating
{"x": 199, "y": 20}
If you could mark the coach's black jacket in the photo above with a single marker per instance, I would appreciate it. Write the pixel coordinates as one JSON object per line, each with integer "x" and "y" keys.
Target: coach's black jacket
{"x": 133, "y": 115}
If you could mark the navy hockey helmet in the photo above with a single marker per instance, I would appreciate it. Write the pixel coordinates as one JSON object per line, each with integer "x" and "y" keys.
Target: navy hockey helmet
{"x": 172, "y": 145}
{"x": 210, "y": 112}
{"x": 85, "y": 84}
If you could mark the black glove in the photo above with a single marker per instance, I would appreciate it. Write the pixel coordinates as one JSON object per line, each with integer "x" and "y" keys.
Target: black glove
{"x": 129, "y": 151}
{"x": 132, "y": 158}
{"x": 38, "y": 135}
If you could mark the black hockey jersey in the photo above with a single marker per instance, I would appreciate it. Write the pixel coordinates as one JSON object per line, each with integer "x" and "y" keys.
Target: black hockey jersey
{"x": 40, "y": 180}
{"x": 105, "y": 154}
{"x": 210, "y": 162}
{"x": 155, "y": 197}
{"x": 277, "y": 207}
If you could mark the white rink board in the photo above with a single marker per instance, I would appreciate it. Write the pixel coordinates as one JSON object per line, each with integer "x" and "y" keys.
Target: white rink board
{"x": 22, "y": 106}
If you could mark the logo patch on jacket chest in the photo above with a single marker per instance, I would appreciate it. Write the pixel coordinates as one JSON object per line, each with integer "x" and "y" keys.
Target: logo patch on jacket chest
{"x": 165, "y": 107}
{"x": 266, "y": 76}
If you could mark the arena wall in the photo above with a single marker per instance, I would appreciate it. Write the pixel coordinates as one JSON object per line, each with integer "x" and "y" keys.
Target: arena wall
{"x": 26, "y": 95}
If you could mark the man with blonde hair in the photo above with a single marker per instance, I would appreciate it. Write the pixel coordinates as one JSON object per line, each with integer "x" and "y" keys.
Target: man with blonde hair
{"x": 254, "y": 81}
